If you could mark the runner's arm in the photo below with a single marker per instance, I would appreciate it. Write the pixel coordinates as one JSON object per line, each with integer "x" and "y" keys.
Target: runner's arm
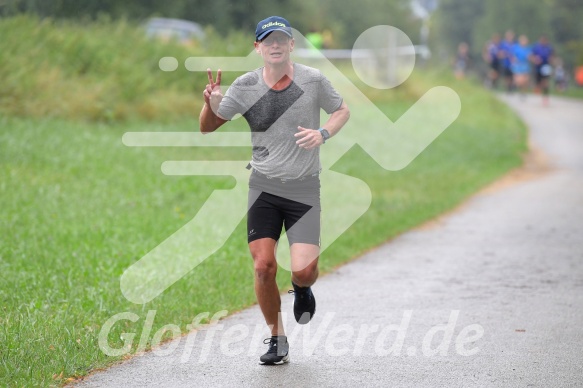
{"x": 337, "y": 119}
{"x": 208, "y": 120}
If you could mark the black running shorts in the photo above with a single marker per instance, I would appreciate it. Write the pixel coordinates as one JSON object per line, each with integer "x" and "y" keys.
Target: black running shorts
{"x": 293, "y": 205}
{"x": 542, "y": 74}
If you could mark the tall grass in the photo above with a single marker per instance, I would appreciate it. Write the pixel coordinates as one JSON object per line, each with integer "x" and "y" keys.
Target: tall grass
{"x": 101, "y": 71}
{"x": 77, "y": 207}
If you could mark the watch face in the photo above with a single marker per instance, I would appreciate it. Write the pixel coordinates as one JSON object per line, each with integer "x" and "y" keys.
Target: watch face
{"x": 325, "y": 134}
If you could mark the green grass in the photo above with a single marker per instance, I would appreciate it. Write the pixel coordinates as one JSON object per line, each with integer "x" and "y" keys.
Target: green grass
{"x": 101, "y": 71}
{"x": 78, "y": 208}
{"x": 572, "y": 91}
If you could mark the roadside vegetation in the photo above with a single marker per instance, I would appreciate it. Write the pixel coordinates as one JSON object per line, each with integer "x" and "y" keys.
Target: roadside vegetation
{"x": 78, "y": 207}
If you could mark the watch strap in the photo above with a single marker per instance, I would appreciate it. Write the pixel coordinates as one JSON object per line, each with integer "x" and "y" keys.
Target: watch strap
{"x": 325, "y": 134}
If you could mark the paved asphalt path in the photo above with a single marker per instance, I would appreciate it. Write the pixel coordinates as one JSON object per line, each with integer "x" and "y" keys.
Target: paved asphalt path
{"x": 489, "y": 295}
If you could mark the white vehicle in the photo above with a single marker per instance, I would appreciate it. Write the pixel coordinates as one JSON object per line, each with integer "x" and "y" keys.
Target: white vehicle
{"x": 183, "y": 31}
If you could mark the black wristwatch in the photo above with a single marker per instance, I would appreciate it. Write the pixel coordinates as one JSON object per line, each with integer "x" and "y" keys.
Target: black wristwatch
{"x": 325, "y": 134}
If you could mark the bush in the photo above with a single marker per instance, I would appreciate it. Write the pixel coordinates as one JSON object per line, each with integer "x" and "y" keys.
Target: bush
{"x": 99, "y": 71}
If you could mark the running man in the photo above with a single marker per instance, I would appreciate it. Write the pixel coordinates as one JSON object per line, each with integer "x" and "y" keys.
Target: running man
{"x": 542, "y": 55}
{"x": 462, "y": 61}
{"x": 281, "y": 102}
{"x": 505, "y": 55}
{"x": 521, "y": 57}
{"x": 491, "y": 56}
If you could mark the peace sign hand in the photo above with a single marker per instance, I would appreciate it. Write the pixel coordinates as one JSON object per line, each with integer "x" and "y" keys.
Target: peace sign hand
{"x": 212, "y": 92}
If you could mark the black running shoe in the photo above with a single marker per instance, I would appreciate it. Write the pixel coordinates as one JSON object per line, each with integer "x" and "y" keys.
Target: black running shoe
{"x": 278, "y": 352}
{"x": 304, "y": 304}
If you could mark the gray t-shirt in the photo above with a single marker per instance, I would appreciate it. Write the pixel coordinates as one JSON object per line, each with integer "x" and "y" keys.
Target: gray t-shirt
{"x": 274, "y": 116}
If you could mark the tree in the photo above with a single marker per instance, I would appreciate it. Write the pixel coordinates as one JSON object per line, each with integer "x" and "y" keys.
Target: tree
{"x": 346, "y": 19}
{"x": 531, "y": 18}
{"x": 455, "y": 21}
{"x": 566, "y": 16}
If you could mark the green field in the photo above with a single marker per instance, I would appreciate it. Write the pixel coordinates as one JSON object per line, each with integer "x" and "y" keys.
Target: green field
{"x": 573, "y": 91}
{"x": 78, "y": 207}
